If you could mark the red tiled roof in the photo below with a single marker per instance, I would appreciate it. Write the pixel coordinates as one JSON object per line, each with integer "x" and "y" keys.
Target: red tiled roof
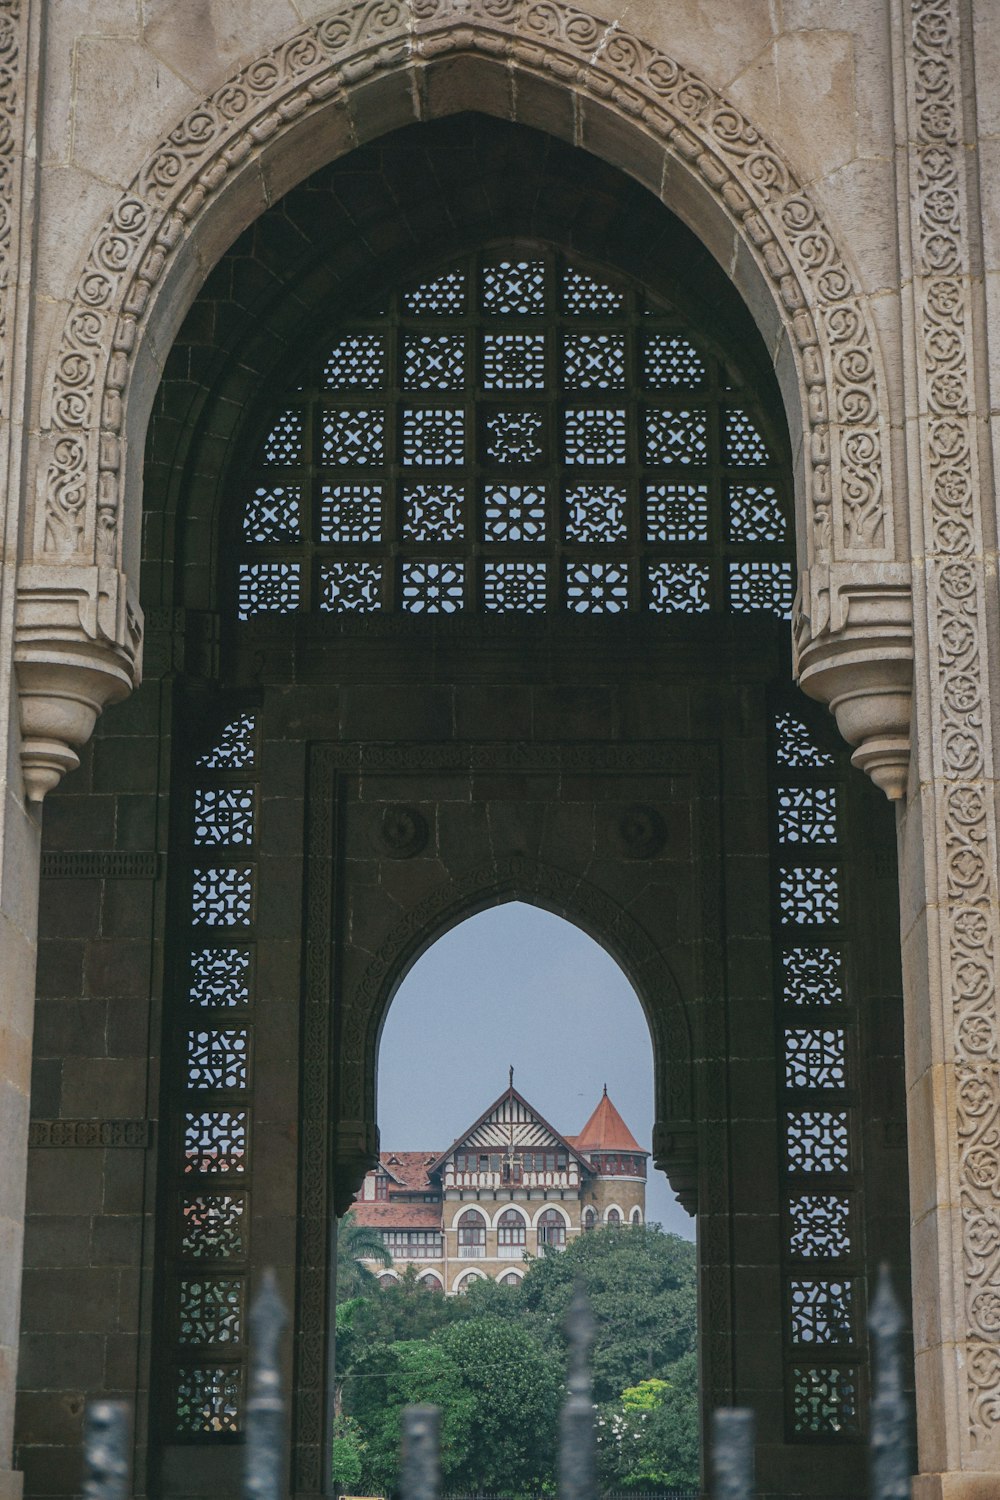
{"x": 397, "y": 1215}
{"x": 606, "y": 1131}
{"x": 409, "y": 1168}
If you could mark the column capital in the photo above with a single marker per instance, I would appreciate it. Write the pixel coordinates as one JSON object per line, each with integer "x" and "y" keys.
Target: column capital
{"x": 852, "y": 633}
{"x": 78, "y": 647}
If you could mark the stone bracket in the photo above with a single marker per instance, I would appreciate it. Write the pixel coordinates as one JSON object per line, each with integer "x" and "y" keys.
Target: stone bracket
{"x": 675, "y": 1152}
{"x": 852, "y": 632}
{"x": 78, "y": 647}
{"x": 355, "y": 1152}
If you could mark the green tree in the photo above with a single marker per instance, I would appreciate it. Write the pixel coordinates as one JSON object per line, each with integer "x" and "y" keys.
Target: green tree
{"x": 387, "y": 1377}
{"x": 357, "y": 1243}
{"x": 348, "y": 1454}
{"x": 649, "y": 1436}
{"x": 641, "y": 1287}
{"x": 516, "y": 1388}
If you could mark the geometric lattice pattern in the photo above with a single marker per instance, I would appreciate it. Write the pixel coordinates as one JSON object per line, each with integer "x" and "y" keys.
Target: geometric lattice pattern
{"x": 220, "y": 977}
{"x": 812, "y": 976}
{"x": 211, "y": 1311}
{"x": 209, "y": 1399}
{"x": 821, "y": 1311}
{"x": 214, "y": 1226}
{"x": 223, "y": 815}
{"x": 215, "y": 1140}
{"x": 767, "y": 587}
{"x": 821, "y": 1256}
{"x": 208, "y": 1169}
{"x": 509, "y": 400}
{"x": 809, "y": 894}
{"x": 820, "y": 1225}
{"x": 222, "y": 896}
{"x": 815, "y": 1058}
{"x": 825, "y": 1400}
{"x": 234, "y": 749}
{"x": 807, "y": 815}
{"x": 817, "y": 1141}
{"x": 796, "y": 746}
{"x": 217, "y": 1059}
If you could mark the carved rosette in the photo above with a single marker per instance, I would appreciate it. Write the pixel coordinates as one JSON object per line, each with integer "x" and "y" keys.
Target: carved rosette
{"x": 960, "y": 755}
{"x": 80, "y": 515}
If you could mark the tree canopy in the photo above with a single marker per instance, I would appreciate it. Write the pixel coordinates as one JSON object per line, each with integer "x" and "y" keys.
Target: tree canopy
{"x": 494, "y": 1360}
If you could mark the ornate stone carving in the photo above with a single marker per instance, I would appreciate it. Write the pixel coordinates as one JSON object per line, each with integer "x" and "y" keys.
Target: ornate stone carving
{"x": 642, "y": 831}
{"x": 91, "y": 1133}
{"x": 11, "y": 113}
{"x": 960, "y": 754}
{"x": 79, "y": 512}
{"x": 99, "y": 864}
{"x": 403, "y": 830}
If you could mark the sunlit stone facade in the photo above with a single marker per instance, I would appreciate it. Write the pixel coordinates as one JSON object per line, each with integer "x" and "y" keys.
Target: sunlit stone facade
{"x": 508, "y": 1189}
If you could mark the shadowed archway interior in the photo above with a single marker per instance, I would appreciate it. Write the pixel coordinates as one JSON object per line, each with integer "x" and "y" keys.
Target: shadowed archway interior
{"x": 454, "y": 601}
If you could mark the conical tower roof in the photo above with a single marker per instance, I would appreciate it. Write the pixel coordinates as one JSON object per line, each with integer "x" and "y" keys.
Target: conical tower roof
{"x": 607, "y": 1131}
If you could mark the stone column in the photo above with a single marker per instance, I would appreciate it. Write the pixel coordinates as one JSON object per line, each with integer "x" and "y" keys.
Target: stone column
{"x": 19, "y": 827}
{"x": 948, "y": 844}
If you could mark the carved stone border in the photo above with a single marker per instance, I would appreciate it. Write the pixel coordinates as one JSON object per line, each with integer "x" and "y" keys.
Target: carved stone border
{"x": 11, "y": 144}
{"x": 79, "y": 631}
{"x": 961, "y": 752}
{"x": 91, "y": 1133}
{"x": 79, "y": 515}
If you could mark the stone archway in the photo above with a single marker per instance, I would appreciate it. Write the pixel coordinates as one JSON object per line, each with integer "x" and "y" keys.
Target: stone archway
{"x": 370, "y": 67}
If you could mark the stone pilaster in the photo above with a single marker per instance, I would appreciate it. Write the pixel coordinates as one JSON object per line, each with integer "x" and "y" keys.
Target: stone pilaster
{"x": 951, "y": 930}
{"x": 20, "y": 21}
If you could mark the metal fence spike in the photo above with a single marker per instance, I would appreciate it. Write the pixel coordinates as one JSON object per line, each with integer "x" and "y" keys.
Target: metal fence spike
{"x": 577, "y": 1437}
{"x": 265, "y": 1408}
{"x": 106, "y": 1450}
{"x": 421, "y": 1478}
{"x": 891, "y": 1455}
{"x": 732, "y": 1453}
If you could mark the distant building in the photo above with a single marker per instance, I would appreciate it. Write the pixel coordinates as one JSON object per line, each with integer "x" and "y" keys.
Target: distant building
{"x": 508, "y": 1186}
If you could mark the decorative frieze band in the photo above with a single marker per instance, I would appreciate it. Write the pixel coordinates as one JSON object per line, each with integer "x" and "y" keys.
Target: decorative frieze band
{"x": 94, "y": 1133}
{"x": 100, "y": 865}
{"x": 961, "y": 749}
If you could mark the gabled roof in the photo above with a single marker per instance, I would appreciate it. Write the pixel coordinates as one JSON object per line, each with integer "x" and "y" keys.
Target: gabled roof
{"x": 510, "y": 1097}
{"x": 607, "y": 1131}
{"x": 408, "y": 1169}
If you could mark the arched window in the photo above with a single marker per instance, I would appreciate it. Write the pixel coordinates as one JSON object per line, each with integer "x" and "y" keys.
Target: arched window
{"x": 467, "y": 1280}
{"x": 509, "y": 1278}
{"x": 613, "y": 1219}
{"x": 515, "y": 434}
{"x": 431, "y": 1281}
{"x": 635, "y": 1217}
{"x": 552, "y": 1228}
{"x": 589, "y": 1218}
{"x": 387, "y": 1279}
{"x": 471, "y": 1234}
{"x": 511, "y": 1234}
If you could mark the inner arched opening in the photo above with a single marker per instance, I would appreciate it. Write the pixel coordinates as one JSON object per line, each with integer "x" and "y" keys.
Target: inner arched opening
{"x": 516, "y": 1112}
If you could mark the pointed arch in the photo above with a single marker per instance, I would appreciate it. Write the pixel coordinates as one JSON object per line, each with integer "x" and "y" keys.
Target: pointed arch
{"x": 299, "y": 106}
{"x": 518, "y": 878}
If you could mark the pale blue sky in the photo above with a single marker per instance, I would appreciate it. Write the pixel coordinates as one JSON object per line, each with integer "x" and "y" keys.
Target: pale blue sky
{"x": 517, "y": 985}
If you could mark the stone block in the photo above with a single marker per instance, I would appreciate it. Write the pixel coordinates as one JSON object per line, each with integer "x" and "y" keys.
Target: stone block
{"x": 64, "y": 1180}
